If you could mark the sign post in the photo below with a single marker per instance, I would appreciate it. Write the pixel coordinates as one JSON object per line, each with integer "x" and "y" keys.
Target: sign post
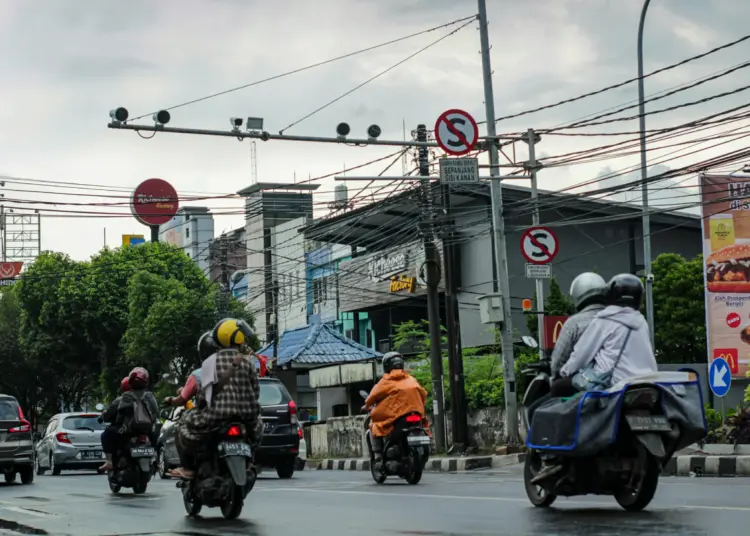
{"x": 154, "y": 203}
{"x": 720, "y": 380}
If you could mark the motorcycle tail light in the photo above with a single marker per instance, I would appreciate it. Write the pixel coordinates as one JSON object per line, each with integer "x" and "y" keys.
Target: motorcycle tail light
{"x": 413, "y": 418}
{"x": 234, "y": 431}
{"x": 142, "y": 439}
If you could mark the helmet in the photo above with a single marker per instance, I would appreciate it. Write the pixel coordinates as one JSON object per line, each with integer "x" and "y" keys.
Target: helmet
{"x": 625, "y": 290}
{"x": 206, "y": 346}
{"x": 393, "y": 360}
{"x": 231, "y": 333}
{"x": 138, "y": 378}
{"x": 125, "y": 385}
{"x": 588, "y": 288}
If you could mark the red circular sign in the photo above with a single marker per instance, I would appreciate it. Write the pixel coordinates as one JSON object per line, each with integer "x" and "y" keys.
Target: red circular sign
{"x": 733, "y": 320}
{"x": 456, "y": 132}
{"x": 154, "y": 202}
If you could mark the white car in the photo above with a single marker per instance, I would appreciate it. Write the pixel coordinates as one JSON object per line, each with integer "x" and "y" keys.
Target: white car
{"x": 302, "y": 456}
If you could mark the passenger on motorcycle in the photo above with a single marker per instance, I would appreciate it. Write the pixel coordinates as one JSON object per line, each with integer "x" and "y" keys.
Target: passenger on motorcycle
{"x": 396, "y": 394}
{"x": 616, "y": 344}
{"x": 588, "y": 292}
{"x": 135, "y": 414}
{"x": 206, "y": 348}
{"x": 229, "y": 390}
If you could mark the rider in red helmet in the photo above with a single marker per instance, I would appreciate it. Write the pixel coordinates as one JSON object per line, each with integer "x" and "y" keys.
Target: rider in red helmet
{"x": 112, "y": 416}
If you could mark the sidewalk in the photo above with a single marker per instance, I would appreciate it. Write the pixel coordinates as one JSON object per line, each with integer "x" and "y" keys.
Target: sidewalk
{"x": 439, "y": 464}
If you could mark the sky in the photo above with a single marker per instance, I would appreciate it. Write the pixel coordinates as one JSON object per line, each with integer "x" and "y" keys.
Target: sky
{"x": 66, "y": 64}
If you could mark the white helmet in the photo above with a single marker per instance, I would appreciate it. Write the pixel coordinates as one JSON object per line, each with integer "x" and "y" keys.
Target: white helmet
{"x": 588, "y": 287}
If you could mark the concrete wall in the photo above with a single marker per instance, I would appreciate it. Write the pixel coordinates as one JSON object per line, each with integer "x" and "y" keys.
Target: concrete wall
{"x": 329, "y": 397}
{"x": 339, "y": 437}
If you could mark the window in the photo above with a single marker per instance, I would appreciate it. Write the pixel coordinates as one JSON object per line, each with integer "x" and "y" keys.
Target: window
{"x": 187, "y": 232}
{"x": 83, "y": 422}
{"x": 272, "y": 394}
{"x": 9, "y": 410}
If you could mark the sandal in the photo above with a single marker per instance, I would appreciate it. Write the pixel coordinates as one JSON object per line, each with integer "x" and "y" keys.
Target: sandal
{"x": 181, "y": 473}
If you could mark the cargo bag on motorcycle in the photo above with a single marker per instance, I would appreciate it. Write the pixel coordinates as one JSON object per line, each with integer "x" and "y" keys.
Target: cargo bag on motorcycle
{"x": 589, "y": 422}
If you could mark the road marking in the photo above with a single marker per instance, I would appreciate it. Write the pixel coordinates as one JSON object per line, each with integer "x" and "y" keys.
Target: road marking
{"x": 26, "y": 511}
{"x": 496, "y": 499}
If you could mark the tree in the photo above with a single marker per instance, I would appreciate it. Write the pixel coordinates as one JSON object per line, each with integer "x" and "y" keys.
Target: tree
{"x": 556, "y": 303}
{"x": 679, "y": 309}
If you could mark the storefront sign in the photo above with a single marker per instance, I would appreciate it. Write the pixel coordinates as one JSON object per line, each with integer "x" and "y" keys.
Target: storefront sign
{"x": 552, "y": 328}
{"x": 382, "y": 267}
{"x": 726, "y": 249}
{"x": 403, "y": 283}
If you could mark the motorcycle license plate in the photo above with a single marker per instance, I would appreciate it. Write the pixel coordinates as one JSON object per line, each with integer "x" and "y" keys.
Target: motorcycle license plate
{"x": 235, "y": 449}
{"x": 142, "y": 452}
{"x": 418, "y": 440}
{"x": 648, "y": 423}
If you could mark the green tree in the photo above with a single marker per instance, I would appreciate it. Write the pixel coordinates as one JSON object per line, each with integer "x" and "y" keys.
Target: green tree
{"x": 556, "y": 303}
{"x": 679, "y": 309}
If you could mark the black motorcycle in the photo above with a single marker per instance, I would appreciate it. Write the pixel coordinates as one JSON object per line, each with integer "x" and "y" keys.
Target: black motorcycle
{"x": 222, "y": 479}
{"x": 132, "y": 465}
{"x": 405, "y": 450}
{"x": 631, "y": 435}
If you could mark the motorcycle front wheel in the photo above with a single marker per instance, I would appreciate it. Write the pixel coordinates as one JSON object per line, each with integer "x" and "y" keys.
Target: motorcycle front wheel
{"x": 538, "y": 496}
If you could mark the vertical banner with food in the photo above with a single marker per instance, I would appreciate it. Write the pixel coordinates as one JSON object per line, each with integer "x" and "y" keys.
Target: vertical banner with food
{"x": 726, "y": 250}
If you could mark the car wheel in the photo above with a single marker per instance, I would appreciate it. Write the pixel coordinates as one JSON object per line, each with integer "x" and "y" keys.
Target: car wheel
{"x": 27, "y": 474}
{"x": 161, "y": 464}
{"x": 10, "y": 478}
{"x": 285, "y": 468}
{"x": 55, "y": 470}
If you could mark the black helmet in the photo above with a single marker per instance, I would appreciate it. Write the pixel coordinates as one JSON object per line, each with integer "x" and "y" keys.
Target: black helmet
{"x": 625, "y": 290}
{"x": 206, "y": 346}
{"x": 393, "y": 360}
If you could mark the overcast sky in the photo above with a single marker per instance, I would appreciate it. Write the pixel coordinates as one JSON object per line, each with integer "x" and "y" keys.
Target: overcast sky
{"x": 65, "y": 64}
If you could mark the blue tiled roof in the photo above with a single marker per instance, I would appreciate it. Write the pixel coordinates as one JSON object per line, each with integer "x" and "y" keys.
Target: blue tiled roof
{"x": 318, "y": 344}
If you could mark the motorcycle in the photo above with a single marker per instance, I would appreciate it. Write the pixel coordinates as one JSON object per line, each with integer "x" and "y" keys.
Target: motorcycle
{"x": 405, "y": 451}
{"x": 641, "y": 424}
{"x": 222, "y": 479}
{"x": 132, "y": 465}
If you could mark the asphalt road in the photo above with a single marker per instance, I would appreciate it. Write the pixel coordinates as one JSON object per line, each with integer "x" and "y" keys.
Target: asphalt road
{"x": 339, "y": 503}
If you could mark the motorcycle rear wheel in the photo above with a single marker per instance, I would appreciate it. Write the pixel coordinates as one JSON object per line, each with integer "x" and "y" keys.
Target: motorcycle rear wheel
{"x": 231, "y": 508}
{"x": 415, "y": 469}
{"x": 192, "y": 504}
{"x": 114, "y": 487}
{"x": 537, "y": 495}
{"x": 635, "y": 500}
{"x": 378, "y": 476}
{"x": 141, "y": 483}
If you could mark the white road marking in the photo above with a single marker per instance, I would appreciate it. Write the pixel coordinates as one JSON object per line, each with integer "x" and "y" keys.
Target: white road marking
{"x": 26, "y": 511}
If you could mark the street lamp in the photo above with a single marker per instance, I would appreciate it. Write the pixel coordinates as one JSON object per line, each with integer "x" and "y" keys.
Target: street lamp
{"x": 644, "y": 183}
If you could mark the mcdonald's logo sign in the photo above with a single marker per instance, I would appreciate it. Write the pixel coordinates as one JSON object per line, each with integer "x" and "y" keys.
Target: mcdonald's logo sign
{"x": 731, "y": 356}
{"x": 552, "y": 328}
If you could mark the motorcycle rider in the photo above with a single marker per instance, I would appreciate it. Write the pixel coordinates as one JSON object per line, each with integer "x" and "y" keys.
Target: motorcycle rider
{"x": 229, "y": 390}
{"x": 206, "y": 348}
{"x": 110, "y": 435}
{"x": 396, "y": 394}
{"x": 588, "y": 292}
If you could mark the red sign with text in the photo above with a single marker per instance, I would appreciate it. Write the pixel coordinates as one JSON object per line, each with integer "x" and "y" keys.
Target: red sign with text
{"x": 9, "y": 270}
{"x": 552, "y": 327}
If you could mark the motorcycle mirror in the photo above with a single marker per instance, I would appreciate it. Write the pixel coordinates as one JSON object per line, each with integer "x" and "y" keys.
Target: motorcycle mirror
{"x": 530, "y": 341}
{"x": 99, "y": 407}
{"x": 364, "y": 394}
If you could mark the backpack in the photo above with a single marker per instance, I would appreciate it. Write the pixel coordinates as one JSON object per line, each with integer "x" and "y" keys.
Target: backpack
{"x": 142, "y": 421}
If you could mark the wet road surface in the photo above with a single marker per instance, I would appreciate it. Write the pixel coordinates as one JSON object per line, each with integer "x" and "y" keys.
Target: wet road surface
{"x": 338, "y": 503}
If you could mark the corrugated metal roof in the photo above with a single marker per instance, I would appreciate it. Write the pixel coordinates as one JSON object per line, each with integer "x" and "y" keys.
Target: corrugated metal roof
{"x": 318, "y": 344}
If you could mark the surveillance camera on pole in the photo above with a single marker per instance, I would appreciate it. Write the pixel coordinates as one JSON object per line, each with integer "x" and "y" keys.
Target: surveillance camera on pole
{"x": 373, "y": 132}
{"x": 119, "y": 115}
{"x": 236, "y": 122}
{"x": 342, "y": 130}
{"x": 161, "y": 117}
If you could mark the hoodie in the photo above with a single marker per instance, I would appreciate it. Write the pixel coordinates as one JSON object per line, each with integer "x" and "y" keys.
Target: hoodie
{"x": 571, "y": 331}
{"x": 603, "y": 340}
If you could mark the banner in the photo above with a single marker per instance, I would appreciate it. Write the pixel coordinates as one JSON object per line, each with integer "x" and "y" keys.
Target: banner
{"x": 552, "y": 327}
{"x": 726, "y": 251}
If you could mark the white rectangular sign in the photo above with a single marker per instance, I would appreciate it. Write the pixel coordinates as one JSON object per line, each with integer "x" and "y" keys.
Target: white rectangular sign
{"x": 459, "y": 170}
{"x": 538, "y": 271}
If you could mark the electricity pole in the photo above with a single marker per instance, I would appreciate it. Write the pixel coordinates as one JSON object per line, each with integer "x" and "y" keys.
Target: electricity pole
{"x": 224, "y": 263}
{"x": 498, "y": 225}
{"x": 532, "y": 138}
{"x": 432, "y": 279}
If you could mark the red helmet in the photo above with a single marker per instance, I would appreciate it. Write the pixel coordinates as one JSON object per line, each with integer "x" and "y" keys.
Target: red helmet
{"x": 138, "y": 378}
{"x": 125, "y": 385}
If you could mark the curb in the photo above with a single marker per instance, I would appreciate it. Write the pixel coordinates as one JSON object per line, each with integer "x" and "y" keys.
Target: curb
{"x": 437, "y": 465}
{"x": 708, "y": 466}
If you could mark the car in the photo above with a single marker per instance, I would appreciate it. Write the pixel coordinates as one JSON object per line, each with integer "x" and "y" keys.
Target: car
{"x": 16, "y": 442}
{"x": 279, "y": 448}
{"x": 302, "y": 456}
{"x": 71, "y": 441}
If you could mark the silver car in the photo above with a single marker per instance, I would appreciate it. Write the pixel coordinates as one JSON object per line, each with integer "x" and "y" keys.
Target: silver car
{"x": 70, "y": 441}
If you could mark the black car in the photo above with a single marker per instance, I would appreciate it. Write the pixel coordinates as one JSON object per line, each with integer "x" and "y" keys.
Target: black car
{"x": 280, "y": 445}
{"x": 16, "y": 445}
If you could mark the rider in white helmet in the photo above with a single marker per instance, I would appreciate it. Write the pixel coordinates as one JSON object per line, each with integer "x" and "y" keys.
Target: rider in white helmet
{"x": 588, "y": 292}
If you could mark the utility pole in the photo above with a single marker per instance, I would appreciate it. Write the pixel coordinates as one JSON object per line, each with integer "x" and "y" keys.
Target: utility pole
{"x": 432, "y": 279}
{"x": 224, "y": 263}
{"x": 459, "y": 428}
{"x": 2, "y": 227}
{"x": 275, "y": 321}
{"x": 532, "y": 138}
{"x": 498, "y": 225}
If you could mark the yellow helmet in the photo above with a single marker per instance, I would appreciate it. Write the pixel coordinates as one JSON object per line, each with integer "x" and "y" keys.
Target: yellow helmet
{"x": 232, "y": 333}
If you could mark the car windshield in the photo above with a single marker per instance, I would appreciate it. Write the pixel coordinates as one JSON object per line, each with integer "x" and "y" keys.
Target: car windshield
{"x": 8, "y": 410}
{"x": 271, "y": 394}
{"x": 83, "y": 422}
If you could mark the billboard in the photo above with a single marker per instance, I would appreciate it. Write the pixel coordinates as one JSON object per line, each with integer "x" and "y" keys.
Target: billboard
{"x": 132, "y": 240}
{"x": 726, "y": 251}
{"x": 552, "y": 327}
{"x": 154, "y": 202}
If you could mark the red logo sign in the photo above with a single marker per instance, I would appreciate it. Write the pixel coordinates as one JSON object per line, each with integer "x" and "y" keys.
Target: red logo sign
{"x": 154, "y": 202}
{"x": 9, "y": 270}
{"x": 552, "y": 327}
{"x": 734, "y": 320}
{"x": 731, "y": 356}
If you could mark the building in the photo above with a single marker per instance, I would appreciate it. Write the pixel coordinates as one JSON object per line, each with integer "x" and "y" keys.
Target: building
{"x": 385, "y": 282}
{"x": 236, "y": 256}
{"x": 191, "y": 229}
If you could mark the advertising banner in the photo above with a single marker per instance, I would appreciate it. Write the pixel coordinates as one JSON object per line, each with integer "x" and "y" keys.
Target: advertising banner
{"x": 552, "y": 327}
{"x": 726, "y": 251}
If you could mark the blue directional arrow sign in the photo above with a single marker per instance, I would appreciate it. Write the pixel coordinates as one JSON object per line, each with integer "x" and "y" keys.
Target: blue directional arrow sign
{"x": 719, "y": 377}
